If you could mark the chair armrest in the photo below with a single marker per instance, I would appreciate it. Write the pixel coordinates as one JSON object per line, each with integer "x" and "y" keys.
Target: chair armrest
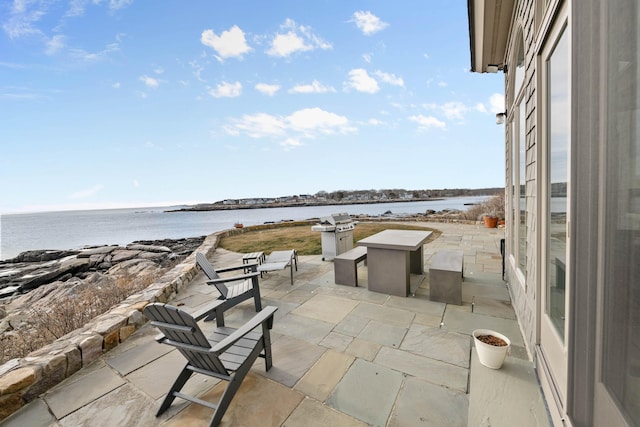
{"x": 206, "y": 310}
{"x": 238, "y": 267}
{"x": 265, "y": 315}
{"x": 232, "y": 278}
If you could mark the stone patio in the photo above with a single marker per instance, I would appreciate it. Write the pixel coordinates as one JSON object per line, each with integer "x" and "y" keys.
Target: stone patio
{"x": 342, "y": 356}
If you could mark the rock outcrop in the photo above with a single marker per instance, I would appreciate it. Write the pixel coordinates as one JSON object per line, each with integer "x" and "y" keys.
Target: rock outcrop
{"x": 32, "y": 269}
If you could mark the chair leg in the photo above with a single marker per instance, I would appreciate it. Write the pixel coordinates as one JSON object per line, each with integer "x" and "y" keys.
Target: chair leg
{"x": 256, "y": 295}
{"x": 266, "y": 337}
{"x": 177, "y": 386}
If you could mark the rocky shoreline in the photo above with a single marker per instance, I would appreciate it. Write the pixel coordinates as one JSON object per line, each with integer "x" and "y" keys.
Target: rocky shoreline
{"x": 39, "y": 278}
{"x": 31, "y": 269}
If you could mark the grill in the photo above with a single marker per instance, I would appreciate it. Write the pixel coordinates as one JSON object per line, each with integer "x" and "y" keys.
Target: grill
{"x": 336, "y": 233}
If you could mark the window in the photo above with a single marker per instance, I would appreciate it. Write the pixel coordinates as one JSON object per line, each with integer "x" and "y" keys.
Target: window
{"x": 621, "y": 286}
{"x": 518, "y": 226}
{"x": 518, "y": 65}
{"x": 557, "y": 69}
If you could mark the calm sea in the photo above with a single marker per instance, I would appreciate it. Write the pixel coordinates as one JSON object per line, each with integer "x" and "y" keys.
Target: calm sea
{"x": 75, "y": 229}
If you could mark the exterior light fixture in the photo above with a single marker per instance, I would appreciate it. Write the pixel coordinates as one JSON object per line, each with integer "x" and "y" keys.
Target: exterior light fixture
{"x": 492, "y": 68}
{"x": 500, "y": 118}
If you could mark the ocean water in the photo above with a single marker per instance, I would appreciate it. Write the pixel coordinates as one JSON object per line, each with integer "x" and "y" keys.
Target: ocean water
{"x": 76, "y": 229}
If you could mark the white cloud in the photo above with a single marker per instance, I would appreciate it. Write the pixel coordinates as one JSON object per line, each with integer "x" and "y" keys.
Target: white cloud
{"x": 24, "y": 17}
{"x": 150, "y": 82}
{"x": 306, "y": 123}
{"x": 361, "y": 81}
{"x": 427, "y": 122}
{"x": 368, "y": 23}
{"x": 314, "y": 87}
{"x": 86, "y": 193}
{"x": 83, "y": 55}
{"x": 295, "y": 38}
{"x": 136, "y": 183}
{"x": 54, "y": 45}
{"x": 375, "y": 122}
{"x": 316, "y": 120}
{"x": 390, "y": 78}
{"x": 118, "y": 4}
{"x": 480, "y": 107}
{"x": 442, "y": 83}
{"x": 267, "y": 89}
{"x": 116, "y": 85}
{"x": 152, "y": 145}
{"x": 496, "y": 103}
{"x": 229, "y": 44}
{"x": 367, "y": 57}
{"x": 257, "y": 126}
{"x": 226, "y": 90}
{"x": 454, "y": 110}
{"x": 291, "y": 143}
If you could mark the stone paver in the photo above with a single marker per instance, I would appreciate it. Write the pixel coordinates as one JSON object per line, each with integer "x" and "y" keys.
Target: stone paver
{"x": 515, "y": 378}
{"x": 156, "y": 386}
{"x": 311, "y": 413}
{"x": 438, "y": 344}
{"x": 466, "y": 323}
{"x": 367, "y": 392}
{"x": 292, "y": 358}
{"x": 123, "y": 407}
{"x": 258, "y": 402}
{"x": 132, "y": 357}
{"x": 83, "y": 388}
{"x": 420, "y": 404}
{"x": 432, "y": 370}
{"x": 383, "y": 333}
{"x": 34, "y": 414}
{"x": 384, "y": 314}
{"x": 322, "y": 378}
{"x": 327, "y": 308}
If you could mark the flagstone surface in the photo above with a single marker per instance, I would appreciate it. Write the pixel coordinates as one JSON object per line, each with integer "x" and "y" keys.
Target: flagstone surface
{"x": 342, "y": 356}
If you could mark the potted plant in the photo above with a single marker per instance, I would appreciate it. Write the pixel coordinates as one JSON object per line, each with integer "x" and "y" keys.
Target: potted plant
{"x": 490, "y": 219}
{"x": 492, "y": 347}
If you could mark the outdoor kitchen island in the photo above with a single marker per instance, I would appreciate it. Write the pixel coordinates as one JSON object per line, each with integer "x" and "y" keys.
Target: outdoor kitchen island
{"x": 392, "y": 255}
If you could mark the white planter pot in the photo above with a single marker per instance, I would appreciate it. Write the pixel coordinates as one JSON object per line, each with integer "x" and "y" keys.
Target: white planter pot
{"x": 491, "y": 356}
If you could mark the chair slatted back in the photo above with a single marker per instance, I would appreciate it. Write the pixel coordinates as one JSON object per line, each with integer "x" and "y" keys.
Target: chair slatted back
{"x": 210, "y": 272}
{"x": 180, "y": 327}
{"x": 206, "y": 266}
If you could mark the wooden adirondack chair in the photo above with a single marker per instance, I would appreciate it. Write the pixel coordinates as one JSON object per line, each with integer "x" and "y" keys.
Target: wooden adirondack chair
{"x": 248, "y": 286}
{"x": 227, "y": 355}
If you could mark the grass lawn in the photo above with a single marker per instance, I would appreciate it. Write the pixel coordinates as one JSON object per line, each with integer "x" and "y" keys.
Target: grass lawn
{"x": 301, "y": 237}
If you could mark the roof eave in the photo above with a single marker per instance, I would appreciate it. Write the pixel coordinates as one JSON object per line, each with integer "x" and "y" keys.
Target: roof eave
{"x": 489, "y": 26}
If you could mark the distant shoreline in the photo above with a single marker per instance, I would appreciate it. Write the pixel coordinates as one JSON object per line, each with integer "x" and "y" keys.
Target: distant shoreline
{"x": 221, "y": 207}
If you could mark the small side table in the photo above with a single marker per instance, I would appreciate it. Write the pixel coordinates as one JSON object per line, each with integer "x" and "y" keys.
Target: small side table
{"x": 258, "y": 257}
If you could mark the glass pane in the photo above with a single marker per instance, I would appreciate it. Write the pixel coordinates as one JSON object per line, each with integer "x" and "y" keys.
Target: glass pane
{"x": 514, "y": 194}
{"x": 621, "y": 311}
{"x": 558, "y": 144}
{"x": 519, "y": 65}
{"x": 522, "y": 232}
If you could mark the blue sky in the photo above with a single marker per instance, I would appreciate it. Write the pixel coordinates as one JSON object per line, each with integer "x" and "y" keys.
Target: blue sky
{"x": 123, "y": 103}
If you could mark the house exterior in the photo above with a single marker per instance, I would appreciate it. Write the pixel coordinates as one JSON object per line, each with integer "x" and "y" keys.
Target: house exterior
{"x": 572, "y": 175}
